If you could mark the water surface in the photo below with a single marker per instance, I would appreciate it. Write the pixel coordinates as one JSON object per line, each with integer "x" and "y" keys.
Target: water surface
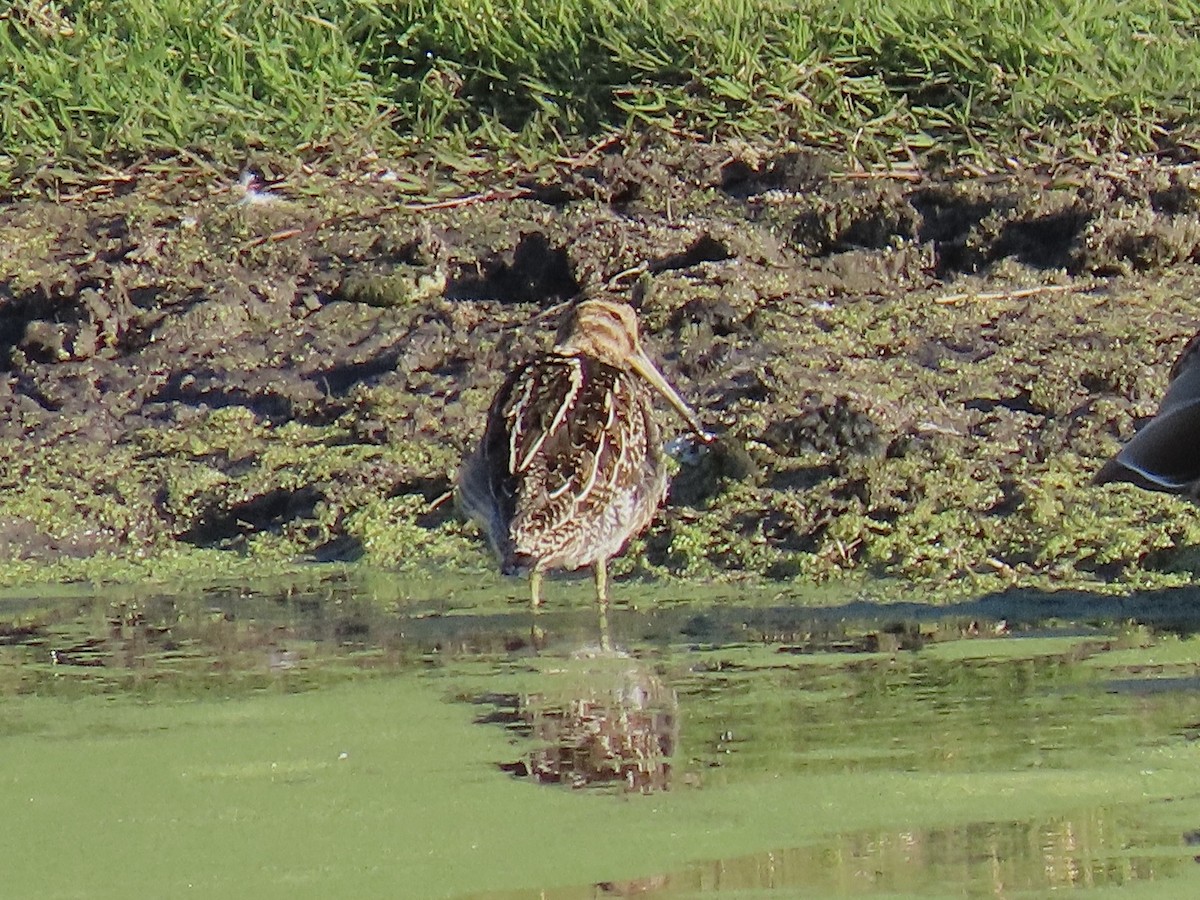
{"x": 344, "y": 736}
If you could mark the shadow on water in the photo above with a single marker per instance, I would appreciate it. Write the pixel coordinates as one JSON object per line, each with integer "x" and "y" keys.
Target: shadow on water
{"x": 1021, "y": 742}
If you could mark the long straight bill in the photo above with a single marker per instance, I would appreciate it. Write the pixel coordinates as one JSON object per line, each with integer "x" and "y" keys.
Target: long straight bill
{"x": 641, "y": 364}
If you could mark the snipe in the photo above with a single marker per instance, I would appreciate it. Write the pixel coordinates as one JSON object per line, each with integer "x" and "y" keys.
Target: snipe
{"x": 571, "y": 464}
{"x": 1162, "y": 456}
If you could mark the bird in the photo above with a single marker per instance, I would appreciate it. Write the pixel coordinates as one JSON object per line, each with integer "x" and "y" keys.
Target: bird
{"x": 571, "y": 465}
{"x": 1162, "y": 456}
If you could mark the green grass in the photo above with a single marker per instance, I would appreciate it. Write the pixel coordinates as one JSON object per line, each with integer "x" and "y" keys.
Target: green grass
{"x": 883, "y": 79}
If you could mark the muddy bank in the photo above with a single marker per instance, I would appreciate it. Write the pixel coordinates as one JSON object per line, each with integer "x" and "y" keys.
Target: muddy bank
{"x": 914, "y": 376}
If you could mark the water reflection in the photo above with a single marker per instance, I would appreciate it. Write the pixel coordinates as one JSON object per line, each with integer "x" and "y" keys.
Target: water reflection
{"x": 1083, "y": 850}
{"x": 235, "y": 637}
{"x": 847, "y": 733}
{"x": 997, "y": 858}
{"x": 600, "y": 717}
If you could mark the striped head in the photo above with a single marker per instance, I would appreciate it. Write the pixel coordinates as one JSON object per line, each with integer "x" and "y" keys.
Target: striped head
{"x": 601, "y": 329}
{"x": 608, "y": 332}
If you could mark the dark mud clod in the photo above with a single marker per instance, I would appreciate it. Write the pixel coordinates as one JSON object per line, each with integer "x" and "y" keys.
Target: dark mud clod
{"x": 705, "y": 466}
{"x": 705, "y": 248}
{"x": 835, "y": 427}
{"x": 853, "y": 221}
{"x": 537, "y": 273}
{"x": 270, "y": 511}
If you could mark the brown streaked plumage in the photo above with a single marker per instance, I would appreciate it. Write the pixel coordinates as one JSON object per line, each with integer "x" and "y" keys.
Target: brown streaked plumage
{"x": 571, "y": 466}
{"x": 1163, "y": 455}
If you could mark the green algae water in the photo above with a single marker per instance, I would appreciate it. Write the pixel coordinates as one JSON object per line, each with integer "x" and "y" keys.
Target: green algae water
{"x": 330, "y": 738}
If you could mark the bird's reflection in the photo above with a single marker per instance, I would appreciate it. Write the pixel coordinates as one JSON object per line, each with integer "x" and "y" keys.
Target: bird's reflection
{"x": 598, "y": 718}
{"x": 1192, "y": 839}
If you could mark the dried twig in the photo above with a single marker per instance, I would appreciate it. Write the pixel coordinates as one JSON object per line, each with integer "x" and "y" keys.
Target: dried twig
{"x": 632, "y": 272}
{"x": 911, "y": 176}
{"x": 439, "y": 500}
{"x": 485, "y": 197}
{"x": 586, "y": 157}
{"x": 953, "y": 299}
{"x": 364, "y": 215}
{"x": 552, "y": 311}
{"x": 274, "y": 236}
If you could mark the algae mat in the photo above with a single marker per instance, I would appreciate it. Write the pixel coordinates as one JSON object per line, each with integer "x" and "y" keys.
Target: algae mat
{"x": 295, "y": 745}
{"x": 913, "y": 374}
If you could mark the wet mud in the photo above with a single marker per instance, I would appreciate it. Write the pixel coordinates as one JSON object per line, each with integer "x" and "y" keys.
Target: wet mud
{"x": 913, "y": 375}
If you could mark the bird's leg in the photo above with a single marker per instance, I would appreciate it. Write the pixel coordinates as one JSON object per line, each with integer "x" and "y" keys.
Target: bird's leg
{"x": 537, "y": 634}
{"x": 600, "y": 570}
{"x": 535, "y": 587}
